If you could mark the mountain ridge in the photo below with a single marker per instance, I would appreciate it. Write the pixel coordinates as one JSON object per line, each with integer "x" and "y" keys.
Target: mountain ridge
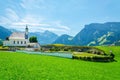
{"x": 4, "y": 32}
{"x": 63, "y": 39}
{"x": 93, "y": 34}
{"x": 46, "y": 37}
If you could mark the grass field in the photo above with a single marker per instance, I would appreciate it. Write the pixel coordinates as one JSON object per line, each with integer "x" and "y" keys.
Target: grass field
{"x": 19, "y": 66}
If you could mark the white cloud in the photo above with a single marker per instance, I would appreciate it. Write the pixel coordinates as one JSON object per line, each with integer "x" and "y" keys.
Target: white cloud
{"x": 4, "y": 20}
{"x": 32, "y": 4}
{"x": 29, "y": 24}
{"x": 38, "y": 23}
{"x": 59, "y": 25}
{"x": 64, "y": 27}
{"x": 11, "y": 14}
{"x": 22, "y": 5}
{"x": 53, "y": 29}
{"x": 30, "y": 18}
{"x": 41, "y": 27}
{"x": 9, "y": 17}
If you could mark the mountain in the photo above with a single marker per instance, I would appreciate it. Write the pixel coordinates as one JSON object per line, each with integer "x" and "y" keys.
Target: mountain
{"x": 98, "y": 34}
{"x": 91, "y": 35}
{"x": 46, "y": 37}
{"x": 4, "y": 33}
{"x": 63, "y": 39}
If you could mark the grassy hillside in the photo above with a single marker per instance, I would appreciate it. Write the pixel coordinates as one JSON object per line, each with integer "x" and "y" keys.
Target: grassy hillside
{"x": 19, "y": 66}
{"x": 114, "y": 49}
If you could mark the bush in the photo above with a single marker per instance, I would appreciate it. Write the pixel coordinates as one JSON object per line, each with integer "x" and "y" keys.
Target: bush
{"x": 65, "y": 49}
{"x": 112, "y": 55}
{"x": 94, "y": 58}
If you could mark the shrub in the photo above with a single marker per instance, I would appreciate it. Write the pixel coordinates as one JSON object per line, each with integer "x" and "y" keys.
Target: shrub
{"x": 94, "y": 58}
{"x": 65, "y": 49}
{"x": 112, "y": 55}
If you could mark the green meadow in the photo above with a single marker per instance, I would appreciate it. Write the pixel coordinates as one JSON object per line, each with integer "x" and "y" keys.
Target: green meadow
{"x": 21, "y": 66}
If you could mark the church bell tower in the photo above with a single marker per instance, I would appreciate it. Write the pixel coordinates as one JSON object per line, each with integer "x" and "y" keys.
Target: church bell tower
{"x": 26, "y": 32}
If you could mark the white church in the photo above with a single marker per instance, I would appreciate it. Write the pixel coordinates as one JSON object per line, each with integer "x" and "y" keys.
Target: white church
{"x": 20, "y": 39}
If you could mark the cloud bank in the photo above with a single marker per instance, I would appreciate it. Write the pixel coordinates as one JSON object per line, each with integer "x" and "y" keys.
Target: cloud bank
{"x": 12, "y": 19}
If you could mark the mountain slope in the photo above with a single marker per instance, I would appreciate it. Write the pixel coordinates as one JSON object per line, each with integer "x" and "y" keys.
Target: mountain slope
{"x": 98, "y": 34}
{"x": 4, "y": 33}
{"x": 91, "y": 35}
{"x": 63, "y": 39}
{"x": 45, "y": 38}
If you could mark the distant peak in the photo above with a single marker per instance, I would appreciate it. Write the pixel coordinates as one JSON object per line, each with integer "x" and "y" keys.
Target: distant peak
{"x": 47, "y": 31}
{"x": 65, "y": 35}
{"x": 104, "y": 23}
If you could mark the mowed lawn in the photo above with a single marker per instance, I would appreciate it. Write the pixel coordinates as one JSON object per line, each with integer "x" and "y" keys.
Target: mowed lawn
{"x": 20, "y": 66}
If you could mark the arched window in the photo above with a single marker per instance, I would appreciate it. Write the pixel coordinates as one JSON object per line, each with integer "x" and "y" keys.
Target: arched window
{"x": 21, "y": 42}
{"x": 17, "y": 42}
{"x": 13, "y": 42}
{"x": 25, "y": 42}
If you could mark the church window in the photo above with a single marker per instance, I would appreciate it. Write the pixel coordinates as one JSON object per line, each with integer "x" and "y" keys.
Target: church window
{"x": 21, "y": 42}
{"x": 17, "y": 42}
{"x": 25, "y": 42}
{"x": 14, "y": 42}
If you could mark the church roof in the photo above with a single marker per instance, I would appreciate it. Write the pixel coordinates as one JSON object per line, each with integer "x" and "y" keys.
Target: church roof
{"x": 17, "y": 35}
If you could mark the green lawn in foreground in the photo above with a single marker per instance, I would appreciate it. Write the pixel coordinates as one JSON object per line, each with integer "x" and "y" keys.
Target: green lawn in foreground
{"x": 19, "y": 66}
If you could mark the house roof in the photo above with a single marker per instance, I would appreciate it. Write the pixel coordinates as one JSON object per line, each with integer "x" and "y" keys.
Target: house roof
{"x": 17, "y": 35}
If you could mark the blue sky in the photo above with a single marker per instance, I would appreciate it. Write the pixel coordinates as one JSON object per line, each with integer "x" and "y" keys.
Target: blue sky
{"x": 58, "y": 16}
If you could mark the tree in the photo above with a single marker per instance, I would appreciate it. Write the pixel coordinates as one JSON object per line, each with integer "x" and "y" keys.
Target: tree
{"x": 1, "y": 42}
{"x": 33, "y": 39}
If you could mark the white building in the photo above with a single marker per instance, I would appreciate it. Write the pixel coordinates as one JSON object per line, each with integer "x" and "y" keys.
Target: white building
{"x": 18, "y": 39}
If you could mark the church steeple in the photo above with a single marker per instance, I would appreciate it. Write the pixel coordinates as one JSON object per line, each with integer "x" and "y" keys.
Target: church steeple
{"x": 26, "y": 32}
